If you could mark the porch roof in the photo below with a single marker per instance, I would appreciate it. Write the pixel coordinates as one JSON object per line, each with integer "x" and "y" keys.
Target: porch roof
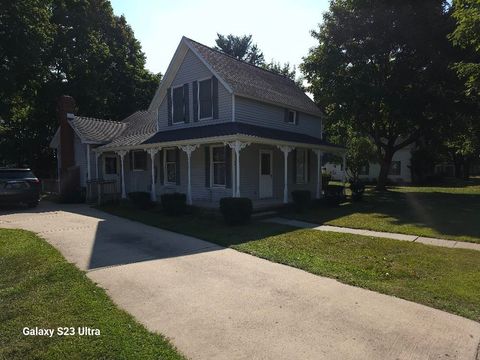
{"x": 234, "y": 128}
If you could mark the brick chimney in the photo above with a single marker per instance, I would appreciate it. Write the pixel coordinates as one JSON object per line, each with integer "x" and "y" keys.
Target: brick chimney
{"x": 65, "y": 111}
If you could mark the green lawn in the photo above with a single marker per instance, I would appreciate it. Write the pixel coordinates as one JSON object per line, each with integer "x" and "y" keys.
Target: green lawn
{"x": 444, "y": 212}
{"x": 38, "y": 287}
{"x": 447, "y": 279}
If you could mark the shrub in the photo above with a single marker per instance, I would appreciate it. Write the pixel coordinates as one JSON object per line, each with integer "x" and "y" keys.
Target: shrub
{"x": 174, "y": 204}
{"x": 236, "y": 211}
{"x": 301, "y": 199}
{"x": 140, "y": 199}
{"x": 76, "y": 196}
{"x": 334, "y": 194}
{"x": 325, "y": 180}
{"x": 358, "y": 188}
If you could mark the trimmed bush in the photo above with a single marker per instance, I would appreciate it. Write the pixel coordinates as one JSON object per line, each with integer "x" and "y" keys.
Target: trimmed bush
{"x": 174, "y": 204}
{"x": 140, "y": 199}
{"x": 358, "y": 188}
{"x": 236, "y": 211}
{"x": 76, "y": 196}
{"x": 301, "y": 200}
{"x": 334, "y": 194}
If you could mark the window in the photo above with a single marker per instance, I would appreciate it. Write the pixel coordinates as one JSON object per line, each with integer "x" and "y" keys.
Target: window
{"x": 139, "y": 159}
{"x": 395, "y": 168}
{"x": 301, "y": 166}
{"x": 170, "y": 161}
{"x": 205, "y": 103}
{"x": 292, "y": 117}
{"x": 365, "y": 169}
{"x": 218, "y": 167}
{"x": 178, "y": 105}
{"x": 110, "y": 165}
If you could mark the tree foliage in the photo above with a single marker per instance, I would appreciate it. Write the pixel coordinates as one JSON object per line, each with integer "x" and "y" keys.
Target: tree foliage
{"x": 382, "y": 68}
{"x": 240, "y": 47}
{"x": 467, "y": 36}
{"x": 55, "y": 47}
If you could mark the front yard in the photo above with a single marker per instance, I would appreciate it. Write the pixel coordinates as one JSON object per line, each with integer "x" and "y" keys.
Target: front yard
{"x": 39, "y": 288}
{"x": 444, "y": 212}
{"x": 447, "y": 279}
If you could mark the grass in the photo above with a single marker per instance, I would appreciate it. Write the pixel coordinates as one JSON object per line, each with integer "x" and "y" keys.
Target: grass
{"x": 38, "y": 287}
{"x": 441, "y": 212}
{"x": 447, "y": 279}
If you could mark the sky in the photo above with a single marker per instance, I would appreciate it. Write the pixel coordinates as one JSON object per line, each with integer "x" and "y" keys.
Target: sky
{"x": 280, "y": 28}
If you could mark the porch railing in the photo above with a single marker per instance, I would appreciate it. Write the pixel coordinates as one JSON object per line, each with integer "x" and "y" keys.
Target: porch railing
{"x": 101, "y": 191}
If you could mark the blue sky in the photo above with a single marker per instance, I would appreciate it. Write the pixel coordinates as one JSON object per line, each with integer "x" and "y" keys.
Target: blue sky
{"x": 281, "y": 28}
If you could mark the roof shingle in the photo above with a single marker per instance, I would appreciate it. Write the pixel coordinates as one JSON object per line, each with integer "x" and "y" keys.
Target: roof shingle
{"x": 97, "y": 130}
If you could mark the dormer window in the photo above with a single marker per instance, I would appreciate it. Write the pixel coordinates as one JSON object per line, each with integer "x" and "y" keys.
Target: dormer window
{"x": 292, "y": 117}
{"x": 205, "y": 96}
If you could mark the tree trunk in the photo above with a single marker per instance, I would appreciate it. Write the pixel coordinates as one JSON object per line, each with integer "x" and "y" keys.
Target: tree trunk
{"x": 385, "y": 164}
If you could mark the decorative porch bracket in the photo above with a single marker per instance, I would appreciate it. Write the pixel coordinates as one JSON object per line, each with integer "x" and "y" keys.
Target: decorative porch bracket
{"x": 153, "y": 152}
{"x": 286, "y": 150}
{"x": 189, "y": 149}
{"x": 319, "y": 154}
{"x": 237, "y": 146}
{"x": 122, "y": 154}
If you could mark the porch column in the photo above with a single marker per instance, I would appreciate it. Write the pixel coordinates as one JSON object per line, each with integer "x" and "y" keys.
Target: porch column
{"x": 319, "y": 172}
{"x": 97, "y": 155}
{"x": 234, "y": 181}
{"x": 89, "y": 170}
{"x": 344, "y": 162}
{"x": 122, "y": 154}
{"x": 153, "y": 152}
{"x": 237, "y": 146}
{"x": 188, "y": 149}
{"x": 285, "y": 150}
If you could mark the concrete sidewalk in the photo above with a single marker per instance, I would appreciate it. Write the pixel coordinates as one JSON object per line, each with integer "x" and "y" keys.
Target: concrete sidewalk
{"x": 217, "y": 303}
{"x": 387, "y": 235}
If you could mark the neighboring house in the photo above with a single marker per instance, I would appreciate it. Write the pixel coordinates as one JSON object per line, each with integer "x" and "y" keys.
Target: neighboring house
{"x": 399, "y": 170}
{"x": 216, "y": 127}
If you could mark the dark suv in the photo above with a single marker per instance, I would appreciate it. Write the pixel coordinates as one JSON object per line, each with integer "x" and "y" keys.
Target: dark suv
{"x": 19, "y": 186}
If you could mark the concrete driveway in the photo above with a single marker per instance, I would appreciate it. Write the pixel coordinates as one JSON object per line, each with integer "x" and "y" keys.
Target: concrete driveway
{"x": 217, "y": 303}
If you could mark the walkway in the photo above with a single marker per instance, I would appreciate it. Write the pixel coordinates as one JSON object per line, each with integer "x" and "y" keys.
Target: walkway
{"x": 387, "y": 235}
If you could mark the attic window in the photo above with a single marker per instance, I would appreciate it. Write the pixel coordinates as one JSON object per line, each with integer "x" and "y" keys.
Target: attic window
{"x": 292, "y": 117}
{"x": 205, "y": 109}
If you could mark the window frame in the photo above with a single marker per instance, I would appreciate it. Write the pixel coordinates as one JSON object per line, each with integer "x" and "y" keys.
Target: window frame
{"x": 133, "y": 160}
{"x": 105, "y": 164}
{"x": 165, "y": 166}
{"x": 173, "y": 105}
{"x": 305, "y": 167}
{"x": 212, "y": 166}
{"x": 294, "y": 117}
{"x": 399, "y": 168}
{"x": 198, "y": 98}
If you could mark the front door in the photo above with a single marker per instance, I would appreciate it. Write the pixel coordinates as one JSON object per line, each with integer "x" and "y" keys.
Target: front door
{"x": 266, "y": 174}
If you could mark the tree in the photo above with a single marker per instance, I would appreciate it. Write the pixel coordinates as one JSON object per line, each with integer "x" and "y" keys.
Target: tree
{"x": 240, "y": 47}
{"x": 286, "y": 70}
{"x": 360, "y": 152}
{"x": 74, "y": 47}
{"x": 381, "y": 67}
{"x": 467, "y": 36}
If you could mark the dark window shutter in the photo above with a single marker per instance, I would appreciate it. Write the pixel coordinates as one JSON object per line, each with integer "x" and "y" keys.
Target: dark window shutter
{"x": 308, "y": 165}
{"x": 195, "y": 100}
{"x": 228, "y": 167}
{"x": 297, "y": 118}
{"x": 162, "y": 175}
{"x": 215, "y": 97}
{"x": 294, "y": 166}
{"x": 207, "y": 166}
{"x": 177, "y": 166}
{"x": 285, "y": 116}
{"x": 169, "y": 106}
{"x": 186, "y": 103}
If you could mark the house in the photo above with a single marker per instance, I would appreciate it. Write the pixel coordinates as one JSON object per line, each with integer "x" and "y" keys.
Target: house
{"x": 216, "y": 127}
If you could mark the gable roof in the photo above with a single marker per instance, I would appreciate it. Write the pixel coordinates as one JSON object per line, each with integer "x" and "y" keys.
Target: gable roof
{"x": 240, "y": 78}
{"x": 96, "y": 131}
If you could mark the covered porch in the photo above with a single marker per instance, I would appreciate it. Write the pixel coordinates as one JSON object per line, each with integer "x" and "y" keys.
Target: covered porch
{"x": 207, "y": 167}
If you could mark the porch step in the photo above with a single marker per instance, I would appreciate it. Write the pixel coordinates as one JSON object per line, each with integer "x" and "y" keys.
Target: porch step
{"x": 264, "y": 214}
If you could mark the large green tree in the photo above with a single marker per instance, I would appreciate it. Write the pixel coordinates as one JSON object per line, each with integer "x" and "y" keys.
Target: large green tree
{"x": 240, "y": 47}
{"x": 467, "y": 36}
{"x": 55, "y": 47}
{"x": 382, "y": 68}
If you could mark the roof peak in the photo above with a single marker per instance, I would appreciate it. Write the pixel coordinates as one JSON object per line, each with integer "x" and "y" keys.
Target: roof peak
{"x": 241, "y": 61}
